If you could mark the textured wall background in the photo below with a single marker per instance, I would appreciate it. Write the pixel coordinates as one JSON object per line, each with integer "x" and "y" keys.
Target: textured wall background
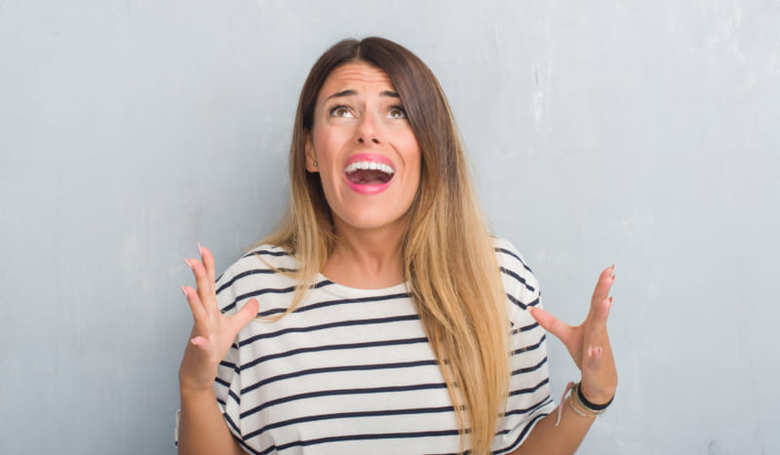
{"x": 640, "y": 133}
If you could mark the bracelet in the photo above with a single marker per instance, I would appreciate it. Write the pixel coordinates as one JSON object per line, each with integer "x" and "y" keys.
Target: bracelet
{"x": 594, "y": 408}
{"x": 578, "y": 410}
{"x": 597, "y": 408}
{"x": 582, "y": 407}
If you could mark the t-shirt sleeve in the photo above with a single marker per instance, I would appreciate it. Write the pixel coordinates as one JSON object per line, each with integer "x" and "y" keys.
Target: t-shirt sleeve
{"x": 227, "y": 384}
{"x": 530, "y": 397}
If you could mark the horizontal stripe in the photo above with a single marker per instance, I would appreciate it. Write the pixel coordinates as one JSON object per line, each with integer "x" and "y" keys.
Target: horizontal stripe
{"x": 522, "y": 305}
{"x": 231, "y": 423}
{"x": 531, "y": 368}
{"x": 331, "y": 347}
{"x": 328, "y": 303}
{"x": 518, "y": 278}
{"x": 252, "y": 272}
{"x": 334, "y": 392}
{"x": 377, "y": 366}
{"x": 525, "y": 328}
{"x": 355, "y": 322}
{"x": 235, "y": 397}
{"x": 522, "y": 262}
{"x": 531, "y": 408}
{"x": 259, "y": 292}
{"x": 529, "y": 389}
{"x": 370, "y": 436}
{"x": 530, "y": 347}
{"x": 266, "y": 252}
{"x": 348, "y": 415}
{"x": 227, "y": 364}
{"x": 522, "y": 434}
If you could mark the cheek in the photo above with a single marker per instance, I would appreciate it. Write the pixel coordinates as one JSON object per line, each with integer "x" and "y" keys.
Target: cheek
{"x": 412, "y": 155}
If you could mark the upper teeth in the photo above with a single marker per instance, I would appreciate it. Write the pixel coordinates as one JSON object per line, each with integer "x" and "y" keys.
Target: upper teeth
{"x": 370, "y": 165}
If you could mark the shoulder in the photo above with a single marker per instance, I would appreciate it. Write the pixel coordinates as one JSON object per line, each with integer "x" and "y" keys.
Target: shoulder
{"x": 259, "y": 270}
{"x": 520, "y": 282}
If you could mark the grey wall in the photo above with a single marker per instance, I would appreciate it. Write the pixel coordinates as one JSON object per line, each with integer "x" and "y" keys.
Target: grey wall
{"x": 640, "y": 133}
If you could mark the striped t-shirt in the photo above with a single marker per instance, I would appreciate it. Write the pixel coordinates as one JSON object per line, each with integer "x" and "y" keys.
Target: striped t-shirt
{"x": 351, "y": 370}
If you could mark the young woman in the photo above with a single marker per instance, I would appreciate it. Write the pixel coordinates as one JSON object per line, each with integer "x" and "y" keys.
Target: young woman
{"x": 381, "y": 317}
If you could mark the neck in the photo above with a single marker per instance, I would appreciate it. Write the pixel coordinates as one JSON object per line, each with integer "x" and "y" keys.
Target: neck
{"x": 366, "y": 258}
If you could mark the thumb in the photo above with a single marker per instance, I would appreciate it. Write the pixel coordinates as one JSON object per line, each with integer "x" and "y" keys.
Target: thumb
{"x": 246, "y": 314}
{"x": 550, "y": 323}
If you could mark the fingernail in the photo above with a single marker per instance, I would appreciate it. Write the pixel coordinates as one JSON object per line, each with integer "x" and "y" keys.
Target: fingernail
{"x": 183, "y": 291}
{"x": 610, "y": 300}
{"x": 200, "y": 249}
{"x": 187, "y": 261}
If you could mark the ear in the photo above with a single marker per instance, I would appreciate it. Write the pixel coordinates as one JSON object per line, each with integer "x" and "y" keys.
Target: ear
{"x": 310, "y": 155}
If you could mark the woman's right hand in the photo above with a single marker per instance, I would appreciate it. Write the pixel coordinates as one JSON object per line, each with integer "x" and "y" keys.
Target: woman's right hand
{"x": 212, "y": 332}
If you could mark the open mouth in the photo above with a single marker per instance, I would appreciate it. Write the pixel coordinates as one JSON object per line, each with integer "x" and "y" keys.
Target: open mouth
{"x": 369, "y": 173}
{"x": 369, "y": 177}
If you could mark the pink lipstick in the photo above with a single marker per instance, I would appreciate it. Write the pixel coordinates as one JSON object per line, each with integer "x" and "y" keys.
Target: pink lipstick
{"x": 369, "y": 173}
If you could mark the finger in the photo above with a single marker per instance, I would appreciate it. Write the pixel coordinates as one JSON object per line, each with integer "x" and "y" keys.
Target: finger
{"x": 208, "y": 262}
{"x": 598, "y": 322}
{"x": 198, "y": 312}
{"x": 245, "y": 315}
{"x": 550, "y": 323}
{"x": 204, "y": 290}
{"x": 606, "y": 278}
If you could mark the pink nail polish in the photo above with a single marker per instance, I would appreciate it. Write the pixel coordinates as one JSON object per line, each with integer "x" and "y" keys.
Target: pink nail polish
{"x": 200, "y": 249}
{"x": 183, "y": 291}
{"x": 187, "y": 261}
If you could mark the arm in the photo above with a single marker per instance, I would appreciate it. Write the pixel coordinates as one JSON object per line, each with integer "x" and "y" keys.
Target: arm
{"x": 590, "y": 349}
{"x": 202, "y": 428}
{"x": 564, "y": 439}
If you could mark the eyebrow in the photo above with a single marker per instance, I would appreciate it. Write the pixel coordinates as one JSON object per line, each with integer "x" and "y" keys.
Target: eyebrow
{"x": 350, "y": 92}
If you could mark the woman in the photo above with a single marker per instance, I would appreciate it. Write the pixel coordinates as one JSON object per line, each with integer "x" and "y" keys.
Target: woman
{"x": 378, "y": 318}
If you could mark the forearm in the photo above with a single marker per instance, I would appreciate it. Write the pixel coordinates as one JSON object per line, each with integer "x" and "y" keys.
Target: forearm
{"x": 202, "y": 428}
{"x": 564, "y": 439}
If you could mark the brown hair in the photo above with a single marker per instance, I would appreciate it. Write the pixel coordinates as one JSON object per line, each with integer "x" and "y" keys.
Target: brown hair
{"x": 447, "y": 251}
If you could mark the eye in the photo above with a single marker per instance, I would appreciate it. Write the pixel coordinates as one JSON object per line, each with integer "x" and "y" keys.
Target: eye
{"x": 397, "y": 112}
{"x": 340, "y": 110}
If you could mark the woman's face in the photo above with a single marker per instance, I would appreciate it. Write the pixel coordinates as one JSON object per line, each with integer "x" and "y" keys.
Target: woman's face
{"x": 367, "y": 155}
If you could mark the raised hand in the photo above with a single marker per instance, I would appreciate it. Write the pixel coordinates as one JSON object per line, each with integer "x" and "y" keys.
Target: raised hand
{"x": 588, "y": 343}
{"x": 212, "y": 332}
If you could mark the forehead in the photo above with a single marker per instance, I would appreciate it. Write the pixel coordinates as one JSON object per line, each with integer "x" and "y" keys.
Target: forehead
{"x": 358, "y": 76}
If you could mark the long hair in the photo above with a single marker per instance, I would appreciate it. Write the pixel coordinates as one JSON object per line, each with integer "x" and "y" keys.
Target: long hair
{"x": 448, "y": 256}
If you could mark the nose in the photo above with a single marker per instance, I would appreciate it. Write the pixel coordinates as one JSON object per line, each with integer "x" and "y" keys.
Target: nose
{"x": 363, "y": 141}
{"x": 367, "y": 131}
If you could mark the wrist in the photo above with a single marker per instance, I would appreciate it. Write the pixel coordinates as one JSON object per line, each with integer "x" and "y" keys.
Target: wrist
{"x": 193, "y": 389}
{"x": 595, "y": 398}
{"x": 574, "y": 404}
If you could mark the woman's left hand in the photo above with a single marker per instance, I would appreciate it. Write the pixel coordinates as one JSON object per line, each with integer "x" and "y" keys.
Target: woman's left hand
{"x": 588, "y": 343}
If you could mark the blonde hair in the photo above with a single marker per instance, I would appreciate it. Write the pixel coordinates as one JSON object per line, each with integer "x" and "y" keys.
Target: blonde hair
{"x": 448, "y": 253}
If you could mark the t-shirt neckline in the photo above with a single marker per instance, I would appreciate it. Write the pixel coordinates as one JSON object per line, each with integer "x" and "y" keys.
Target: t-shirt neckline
{"x": 346, "y": 291}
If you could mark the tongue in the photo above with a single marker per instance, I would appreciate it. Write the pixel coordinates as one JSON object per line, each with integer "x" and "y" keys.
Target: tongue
{"x": 367, "y": 177}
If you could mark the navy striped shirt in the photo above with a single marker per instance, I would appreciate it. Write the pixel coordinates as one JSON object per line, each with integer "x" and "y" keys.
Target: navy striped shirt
{"x": 351, "y": 370}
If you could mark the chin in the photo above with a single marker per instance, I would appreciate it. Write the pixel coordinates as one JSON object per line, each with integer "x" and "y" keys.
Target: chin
{"x": 370, "y": 218}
